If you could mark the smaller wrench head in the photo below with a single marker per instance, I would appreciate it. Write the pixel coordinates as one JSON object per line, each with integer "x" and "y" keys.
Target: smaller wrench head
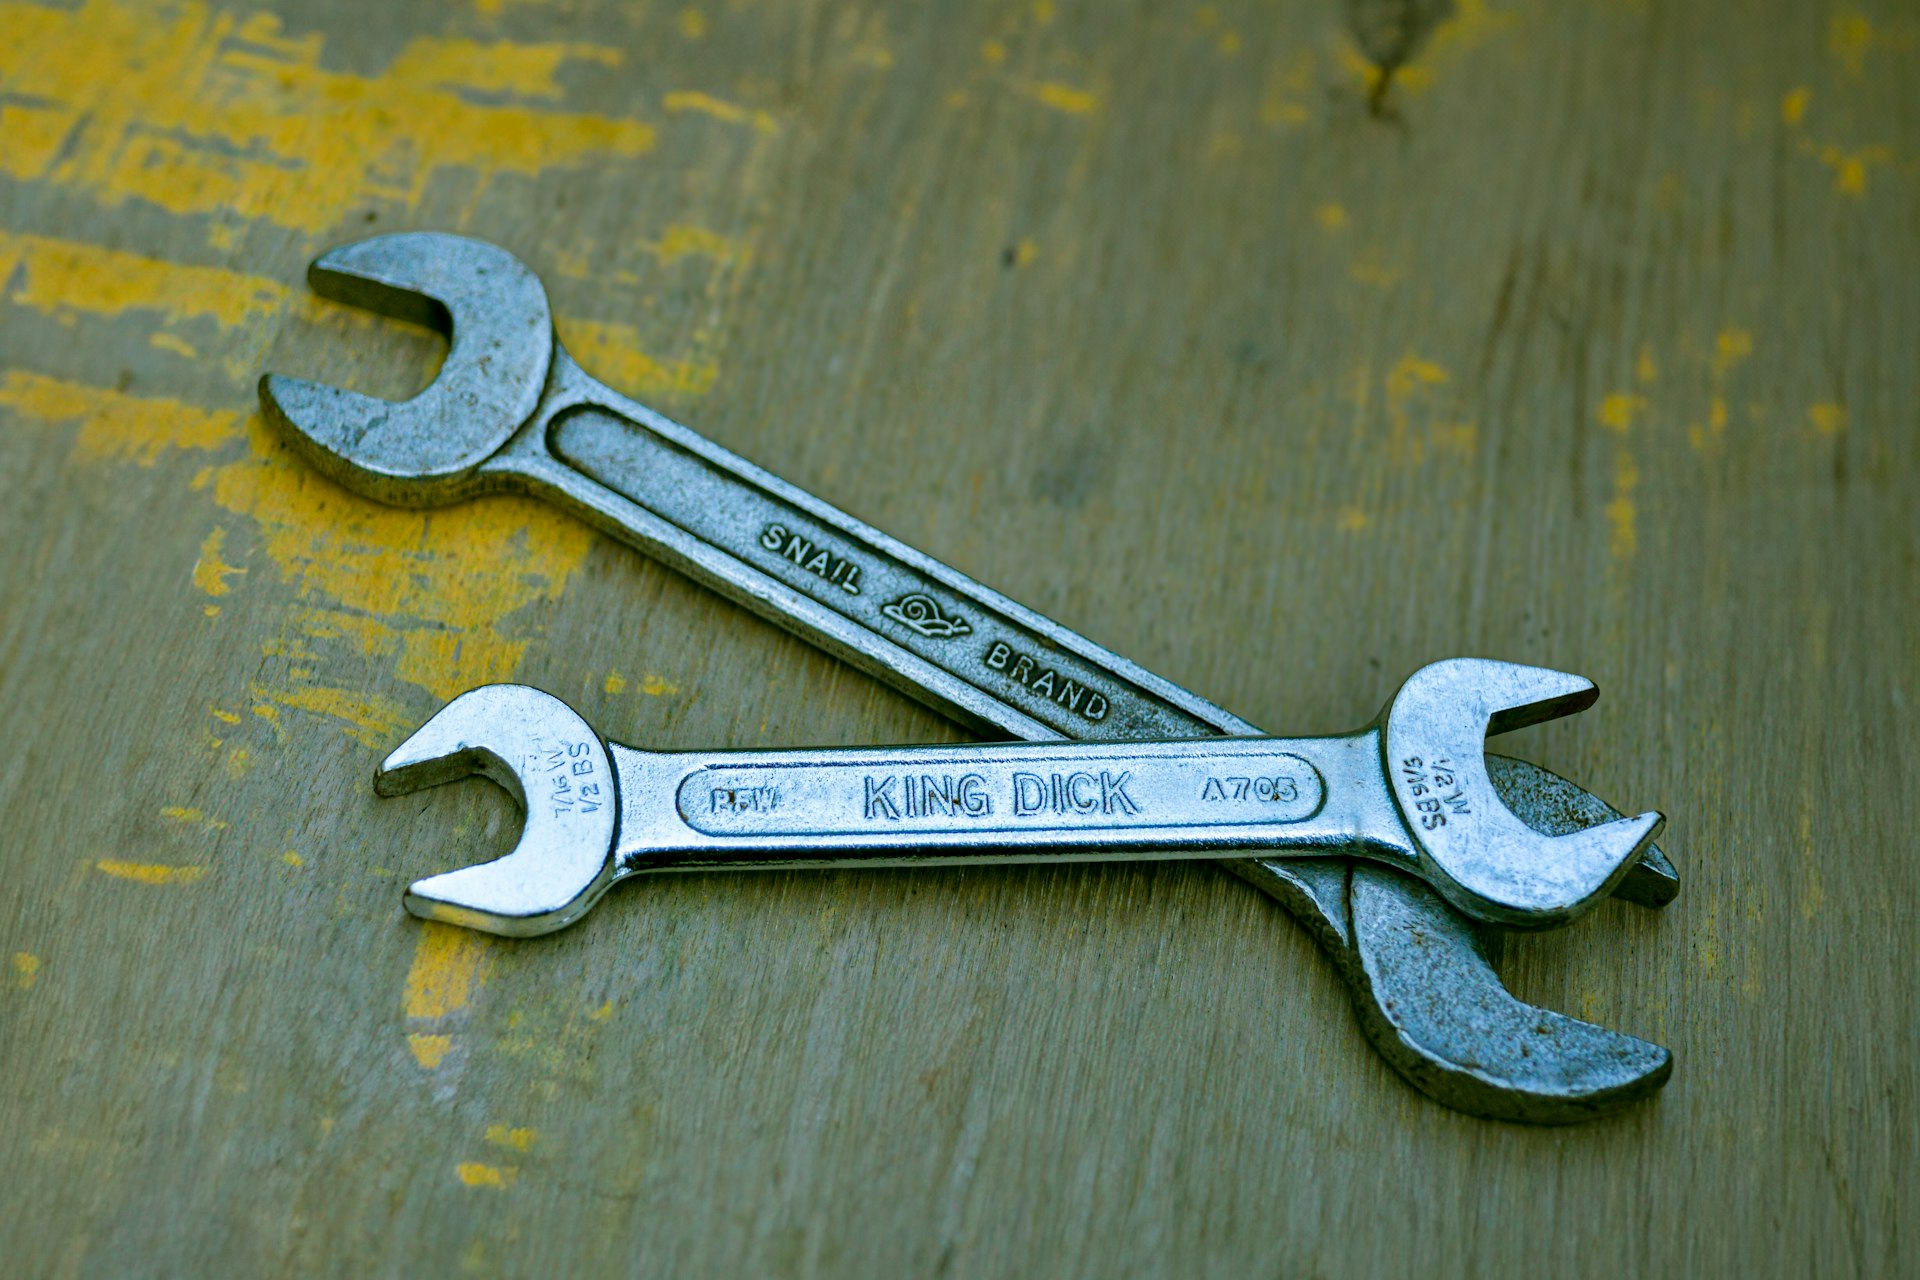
{"x": 426, "y": 450}
{"x": 1473, "y": 849}
{"x": 557, "y": 767}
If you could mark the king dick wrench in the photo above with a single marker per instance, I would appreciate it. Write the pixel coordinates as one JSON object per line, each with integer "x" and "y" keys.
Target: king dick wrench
{"x": 511, "y": 412}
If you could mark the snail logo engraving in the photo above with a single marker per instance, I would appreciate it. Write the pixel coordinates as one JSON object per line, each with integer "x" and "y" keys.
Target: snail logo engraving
{"x": 922, "y": 613}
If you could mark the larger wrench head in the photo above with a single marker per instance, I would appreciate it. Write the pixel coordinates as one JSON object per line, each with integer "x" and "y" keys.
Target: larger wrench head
{"x": 557, "y": 767}
{"x": 429, "y": 449}
{"x": 1471, "y": 847}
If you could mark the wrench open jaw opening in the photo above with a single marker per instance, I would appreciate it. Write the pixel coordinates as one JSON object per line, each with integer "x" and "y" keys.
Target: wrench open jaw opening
{"x": 597, "y": 812}
{"x": 1418, "y": 970}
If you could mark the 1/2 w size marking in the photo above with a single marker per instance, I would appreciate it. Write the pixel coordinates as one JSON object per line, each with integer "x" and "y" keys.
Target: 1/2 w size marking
{"x": 1428, "y": 784}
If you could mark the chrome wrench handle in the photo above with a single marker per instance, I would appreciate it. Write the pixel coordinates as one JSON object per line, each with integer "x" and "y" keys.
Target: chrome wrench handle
{"x": 894, "y": 612}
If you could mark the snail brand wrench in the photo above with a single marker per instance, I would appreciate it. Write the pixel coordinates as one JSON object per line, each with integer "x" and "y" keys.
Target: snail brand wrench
{"x": 511, "y": 411}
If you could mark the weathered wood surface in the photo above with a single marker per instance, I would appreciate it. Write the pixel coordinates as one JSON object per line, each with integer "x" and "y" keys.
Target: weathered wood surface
{"x": 1595, "y": 347}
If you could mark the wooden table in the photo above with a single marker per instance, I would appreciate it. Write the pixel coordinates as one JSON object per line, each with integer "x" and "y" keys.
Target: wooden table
{"x": 1589, "y": 341}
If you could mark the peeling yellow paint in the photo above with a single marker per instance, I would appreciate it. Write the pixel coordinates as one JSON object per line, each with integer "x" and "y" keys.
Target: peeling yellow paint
{"x": 604, "y": 1012}
{"x": 210, "y": 572}
{"x": 1827, "y": 418}
{"x": 427, "y": 590}
{"x": 366, "y": 717}
{"x": 720, "y": 109}
{"x": 429, "y": 1050}
{"x": 475, "y": 1174}
{"x": 224, "y": 717}
{"x": 26, "y": 969}
{"x": 60, "y": 276}
{"x": 657, "y": 686}
{"x": 199, "y": 110}
{"x": 1793, "y": 106}
{"x": 149, "y": 872}
{"x": 521, "y": 1139}
{"x": 113, "y": 424}
{"x": 615, "y": 683}
{"x": 1025, "y": 252}
{"x": 994, "y": 51}
{"x": 1064, "y": 98}
{"x": 448, "y": 964}
{"x": 293, "y": 859}
{"x": 612, "y": 352}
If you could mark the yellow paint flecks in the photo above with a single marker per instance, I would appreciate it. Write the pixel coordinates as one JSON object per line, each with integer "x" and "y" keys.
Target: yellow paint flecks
{"x": 26, "y": 969}
{"x": 113, "y": 424}
{"x": 657, "y": 686}
{"x": 1228, "y": 44}
{"x": 35, "y": 136}
{"x": 1043, "y": 13}
{"x": 495, "y": 67}
{"x": 475, "y": 1174}
{"x": 197, "y": 817}
{"x": 1793, "y": 106}
{"x": 604, "y": 1012}
{"x": 1828, "y": 418}
{"x": 1373, "y": 274}
{"x": 994, "y": 51}
{"x": 612, "y": 352}
{"x": 448, "y": 964}
{"x": 366, "y": 717}
{"x": 1331, "y": 215}
{"x": 1617, "y": 411}
{"x": 224, "y": 717}
{"x": 681, "y": 240}
{"x": 616, "y": 683}
{"x": 1645, "y": 367}
{"x": 427, "y": 591}
{"x": 1353, "y": 519}
{"x": 210, "y": 572}
{"x": 692, "y": 24}
{"x": 1623, "y": 539}
{"x": 62, "y": 276}
{"x": 179, "y": 346}
{"x": 1850, "y": 35}
{"x": 1064, "y": 98}
{"x": 149, "y": 872}
{"x": 202, "y": 111}
{"x": 293, "y": 859}
{"x": 429, "y": 1050}
{"x": 1025, "y": 252}
{"x": 719, "y": 109}
{"x": 1284, "y": 99}
{"x": 519, "y": 1139}
{"x": 1850, "y": 168}
{"x": 1410, "y": 378}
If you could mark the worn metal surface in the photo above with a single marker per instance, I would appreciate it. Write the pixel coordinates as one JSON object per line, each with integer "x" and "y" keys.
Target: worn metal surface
{"x": 1593, "y": 347}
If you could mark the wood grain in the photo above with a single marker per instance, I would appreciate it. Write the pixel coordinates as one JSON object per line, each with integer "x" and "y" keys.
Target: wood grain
{"x": 1593, "y": 345}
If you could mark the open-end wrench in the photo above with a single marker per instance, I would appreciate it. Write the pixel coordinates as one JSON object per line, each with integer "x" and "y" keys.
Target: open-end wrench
{"x": 511, "y": 411}
{"x": 1410, "y": 790}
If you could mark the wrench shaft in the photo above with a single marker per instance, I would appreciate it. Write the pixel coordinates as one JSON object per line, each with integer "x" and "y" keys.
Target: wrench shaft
{"x": 999, "y": 803}
{"x": 896, "y": 613}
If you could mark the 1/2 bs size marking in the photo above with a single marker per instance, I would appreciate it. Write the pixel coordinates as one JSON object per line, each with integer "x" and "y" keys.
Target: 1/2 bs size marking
{"x": 572, "y": 784}
{"x": 1045, "y": 682}
{"x": 813, "y": 557}
{"x": 1426, "y": 783}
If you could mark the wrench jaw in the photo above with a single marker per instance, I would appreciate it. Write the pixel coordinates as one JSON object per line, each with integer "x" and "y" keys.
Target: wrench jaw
{"x": 428, "y": 450}
{"x": 557, "y": 768}
{"x": 1473, "y": 849}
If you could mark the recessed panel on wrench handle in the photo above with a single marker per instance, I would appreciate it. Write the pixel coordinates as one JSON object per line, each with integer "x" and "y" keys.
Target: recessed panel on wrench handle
{"x": 936, "y": 635}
